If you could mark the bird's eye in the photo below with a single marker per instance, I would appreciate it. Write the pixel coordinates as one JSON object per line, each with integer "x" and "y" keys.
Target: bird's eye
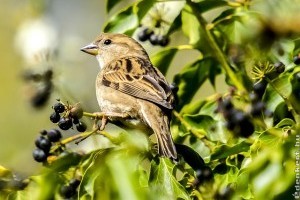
{"x": 107, "y": 42}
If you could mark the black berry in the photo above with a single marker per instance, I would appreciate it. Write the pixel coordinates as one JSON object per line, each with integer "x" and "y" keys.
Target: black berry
{"x": 59, "y": 107}
{"x": 75, "y": 120}
{"x": 81, "y": 127}
{"x": 259, "y": 88}
{"x": 257, "y": 108}
{"x": 163, "y": 40}
{"x": 144, "y": 34}
{"x": 43, "y": 143}
{"x": 296, "y": 59}
{"x": 67, "y": 191}
{"x": 204, "y": 174}
{"x": 279, "y": 67}
{"x": 153, "y": 39}
{"x": 297, "y": 76}
{"x": 246, "y": 128}
{"x": 253, "y": 97}
{"x": 39, "y": 155}
{"x": 54, "y": 135}
{"x": 74, "y": 183}
{"x": 65, "y": 123}
{"x": 43, "y": 132}
{"x": 55, "y": 117}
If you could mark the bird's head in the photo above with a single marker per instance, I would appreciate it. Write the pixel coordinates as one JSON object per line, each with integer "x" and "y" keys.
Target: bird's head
{"x": 109, "y": 46}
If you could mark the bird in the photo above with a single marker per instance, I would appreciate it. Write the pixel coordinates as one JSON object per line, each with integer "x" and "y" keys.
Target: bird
{"x": 129, "y": 86}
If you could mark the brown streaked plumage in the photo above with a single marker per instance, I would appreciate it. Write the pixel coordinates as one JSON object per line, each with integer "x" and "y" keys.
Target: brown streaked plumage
{"x": 128, "y": 85}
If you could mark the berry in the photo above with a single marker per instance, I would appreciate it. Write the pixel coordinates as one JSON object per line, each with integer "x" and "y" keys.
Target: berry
{"x": 297, "y": 76}
{"x": 163, "y": 40}
{"x": 144, "y": 34}
{"x": 253, "y": 97}
{"x": 259, "y": 88}
{"x": 246, "y": 128}
{"x": 76, "y": 111}
{"x": 39, "y": 155}
{"x": 257, "y": 108}
{"x": 279, "y": 67}
{"x": 55, "y": 117}
{"x": 204, "y": 174}
{"x": 238, "y": 116}
{"x": 43, "y": 132}
{"x": 75, "y": 120}
{"x": 153, "y": 39}
{"x": 74, "y": 183}
{"x": 67, "y": 191}
{"x": 59, "y": 107}
{"x": 81, "y": 127}
{"x": 43, "y": 143}
{"x": 54, "y": 135}
{"x": 296, "y": 60}
{"x": 226, "y": 104}
{"x": 65, "y": 123}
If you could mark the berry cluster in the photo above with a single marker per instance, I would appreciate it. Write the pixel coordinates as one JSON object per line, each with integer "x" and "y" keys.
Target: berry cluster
{"x": 70, "y": 115}
{"x": 236, "y": 120}
{"x": 69, "y": 190}
{"x": 258, "y": 107}
{"x": 43, "y": 144}
{"x": 147, "y": 33}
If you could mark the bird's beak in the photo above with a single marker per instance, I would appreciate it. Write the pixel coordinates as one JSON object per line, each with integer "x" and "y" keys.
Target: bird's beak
{"x": 90, "y": 49}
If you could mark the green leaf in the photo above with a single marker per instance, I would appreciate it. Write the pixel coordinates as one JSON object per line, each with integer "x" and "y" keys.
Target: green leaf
{"x": 224, "y": 151}
{"x": 65, "y": 162}
{"x": 207, "y": 5}
{"x": 271, "y": 97}
{"x": 190, "y": 79}
{"x": 111, "y": 3}
{"x": 285, "y": 122}
{"x": 123, "y": 22}
{"x": 127, "y": 20}
{"x": 190, "y": 156}
{"x": 143, "y": 7}
{"x": 201, "y": 123}
{"x": 190, "y": 25}
{"x": 176, "y": 24}
{"x": 226, "y": 14}
{"x": 162, "y": 181}
{"x": 163, "y": 59}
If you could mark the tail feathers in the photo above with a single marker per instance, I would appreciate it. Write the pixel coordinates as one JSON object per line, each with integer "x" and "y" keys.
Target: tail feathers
{"x": 166, "y": 145}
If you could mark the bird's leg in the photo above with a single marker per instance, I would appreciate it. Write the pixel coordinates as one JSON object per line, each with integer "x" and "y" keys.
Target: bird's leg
{"x": 106, "y": 115}
{"x": 103, "y": 123}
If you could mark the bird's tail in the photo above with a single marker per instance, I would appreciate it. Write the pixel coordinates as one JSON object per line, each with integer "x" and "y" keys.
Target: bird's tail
{"x": 159, "y": 122}
{"x": 166, "y": 145}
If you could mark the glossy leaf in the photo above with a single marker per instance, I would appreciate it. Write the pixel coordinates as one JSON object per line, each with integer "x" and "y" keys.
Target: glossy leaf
{"x": 111, "y": 3}
{"x": 204, "y": 6}
{"x": 163, "y": 182}
{"x": 224, "y": 151}
{"x": 123, "y": 22}
{"x": 190, "y": 156}
{"x": 176, "y": 24}
{"x": 163, "y": 59}
{"x": 190, "y": 25}
{"x": 190, "y": 79}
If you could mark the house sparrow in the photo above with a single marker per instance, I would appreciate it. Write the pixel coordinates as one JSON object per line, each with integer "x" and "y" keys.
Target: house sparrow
{"x": 129, "y": 86}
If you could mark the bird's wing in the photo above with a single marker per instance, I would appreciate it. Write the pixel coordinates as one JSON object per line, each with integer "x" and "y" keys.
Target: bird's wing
{"x": 137, "y": 77}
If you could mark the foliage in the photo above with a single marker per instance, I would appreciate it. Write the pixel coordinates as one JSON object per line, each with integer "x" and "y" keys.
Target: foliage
{"x": 240, "y": 39}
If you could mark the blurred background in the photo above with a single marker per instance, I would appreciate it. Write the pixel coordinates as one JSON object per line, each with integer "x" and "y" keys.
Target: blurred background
{"x": 39, "y": 36}
{"x": 40, "y": 42}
